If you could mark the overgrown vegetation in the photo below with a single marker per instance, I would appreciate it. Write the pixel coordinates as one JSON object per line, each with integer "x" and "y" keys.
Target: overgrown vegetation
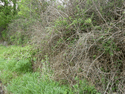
{"x": 75, "y": 39}
{"x": 18, "y": 77}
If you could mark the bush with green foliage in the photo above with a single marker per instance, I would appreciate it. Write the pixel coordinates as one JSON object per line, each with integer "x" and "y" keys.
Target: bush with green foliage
{"x": 21, "y": 28}
{"x": 7, "y": 14}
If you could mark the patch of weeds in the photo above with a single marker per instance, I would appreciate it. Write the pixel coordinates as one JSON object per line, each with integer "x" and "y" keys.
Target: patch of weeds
{"x": 16, "y": 52}
{"x": 2, "y": 50}
{"x": 12, "y": 68}
{"x": 21, "y": 66}
{"x": 6, "y": 76}
{"x": 13, "y": 63}
{"x": 34, "y": 84}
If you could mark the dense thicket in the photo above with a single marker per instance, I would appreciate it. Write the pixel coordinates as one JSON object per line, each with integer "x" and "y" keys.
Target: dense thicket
{"x": 83, "y": 39}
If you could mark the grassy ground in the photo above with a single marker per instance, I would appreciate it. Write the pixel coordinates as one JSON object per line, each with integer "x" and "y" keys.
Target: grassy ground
{"x": 17, "y": 75}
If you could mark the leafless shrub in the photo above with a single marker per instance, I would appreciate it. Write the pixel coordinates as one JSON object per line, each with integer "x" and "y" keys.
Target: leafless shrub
{"x": 97, "y": 53}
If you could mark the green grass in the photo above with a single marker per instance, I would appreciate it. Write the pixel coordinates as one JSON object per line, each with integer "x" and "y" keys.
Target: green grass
{"x": 16, "y": 74}
{"x": 12, "y": 66}
{"x": 2, "y": 50}
{"x": 32, "y": 83}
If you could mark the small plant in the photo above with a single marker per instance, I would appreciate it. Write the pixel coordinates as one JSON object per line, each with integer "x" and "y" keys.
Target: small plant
{"x": 94, "y": 56}
{"x": 109, "y": 46}
{"x": 83, "y": 87}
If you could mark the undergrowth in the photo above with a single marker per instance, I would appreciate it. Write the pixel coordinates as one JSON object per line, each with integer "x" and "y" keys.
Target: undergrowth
{"x": 17, "y": 75}
{"x": 81, "y": 39}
